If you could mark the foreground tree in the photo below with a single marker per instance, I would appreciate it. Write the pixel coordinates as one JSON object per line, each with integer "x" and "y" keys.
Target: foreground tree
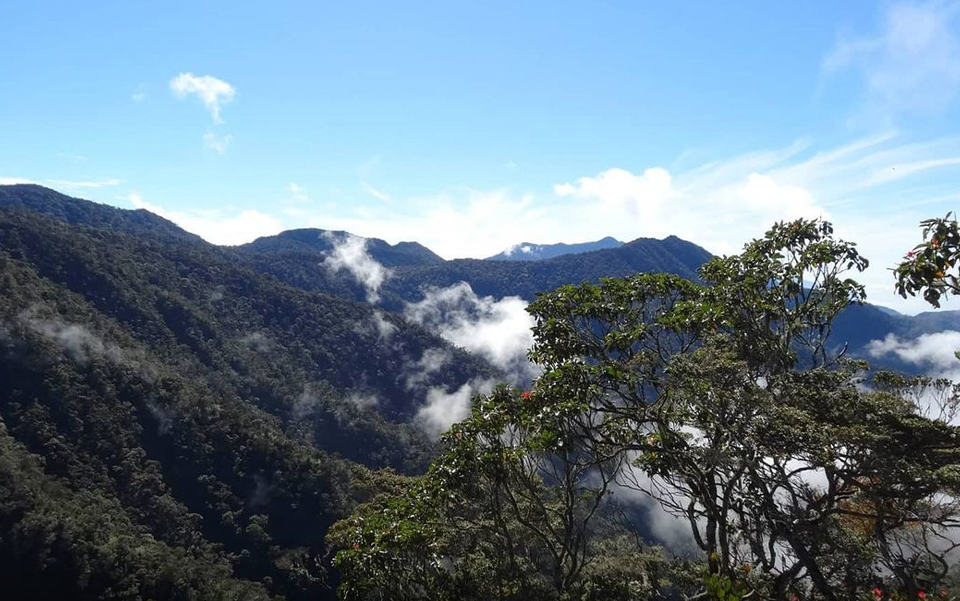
{"x": 726, "y": 403}
{"x": 512, "y": 510}
{"x": 930, "y": 268}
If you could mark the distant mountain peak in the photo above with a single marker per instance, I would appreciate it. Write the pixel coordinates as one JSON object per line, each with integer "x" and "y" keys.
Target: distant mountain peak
{"x": 529, "y": 251}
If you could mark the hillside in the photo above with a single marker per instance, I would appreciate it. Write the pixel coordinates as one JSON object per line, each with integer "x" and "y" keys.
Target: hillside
{"x": 193, "y": 425}
{"x": 182, "y": 420}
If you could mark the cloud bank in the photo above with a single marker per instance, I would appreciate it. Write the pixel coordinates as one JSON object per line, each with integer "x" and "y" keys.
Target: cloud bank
{"x": 216, "y": 226}
{"x": 934, "y": 353}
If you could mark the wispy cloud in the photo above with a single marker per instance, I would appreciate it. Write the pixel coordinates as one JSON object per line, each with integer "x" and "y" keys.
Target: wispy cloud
{"x": 73, "y": 158}
{"x": 350, "y": 253}
{"x": 217, "y": 143}
{"x": 13, "y": 181}
{"x": 378, "y": 194}
{"x": 911, "y": 63}
{"x": 213, "y": 92}
{"x": 934, "y": 353}
{"x": 85, "y": 184}
{"x": 719, "y": 205}
{"x": 297, "y": 192}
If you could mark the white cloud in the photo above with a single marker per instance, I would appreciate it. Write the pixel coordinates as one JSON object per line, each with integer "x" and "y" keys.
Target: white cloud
{"x": 763, "y": 194}
{"x": 385, "y": 329}
{"x": 213, "y": 92}
{"x": 911, "y": 63}
{"x": 350, "y": 253}
{"x": 216, "y": 226}
{"x": 297, "y": 192}
{"x": 618, "y": 190}
{"x": 378, "y": 194}
{"x": 13, "y": 181}
{"x": 295, "y": 212}
{"x": 85, "y": 184}
{"x": 933, "y": 352}
{"x": 417, "y": 373}
{"x": 217, "y": 143}
{"x": 464, "y": 223}
{"x": 442, "y": 408}
{"x": 499, "y": 330}
{"x": 76, "y": 341}
{"x": 363, "y": 401}
{"x": 863, "y": 186}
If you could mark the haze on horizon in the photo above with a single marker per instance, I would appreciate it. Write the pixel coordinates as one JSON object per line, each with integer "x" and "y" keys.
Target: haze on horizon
{"x": 473, "y": 127}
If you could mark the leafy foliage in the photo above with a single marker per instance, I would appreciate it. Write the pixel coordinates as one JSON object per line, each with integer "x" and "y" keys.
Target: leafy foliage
{"x": 723, "y": 402}
{"x": 929, "y": 267}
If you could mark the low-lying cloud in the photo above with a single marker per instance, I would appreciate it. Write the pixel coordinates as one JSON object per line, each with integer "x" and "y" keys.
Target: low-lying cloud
{"x": 75, "y": 340}
{"x": 498, "y": 330}
{"x": 931, "y": 352}
{"x": 444, "y": 408}
{"x": 350, "y": 253}
{"x": 417, "y": 373}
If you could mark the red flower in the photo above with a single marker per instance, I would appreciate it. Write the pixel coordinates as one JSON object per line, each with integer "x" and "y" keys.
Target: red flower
{"x": 526, "y": 395}
{"x": 910, "y": 254}
{"x": 921, "y": 595}
{"x": 794, "y": 597}
{"x": 877, "y": 593}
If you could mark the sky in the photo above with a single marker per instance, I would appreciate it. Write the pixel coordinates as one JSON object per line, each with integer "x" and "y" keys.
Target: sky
{"x": 473, "y": 126}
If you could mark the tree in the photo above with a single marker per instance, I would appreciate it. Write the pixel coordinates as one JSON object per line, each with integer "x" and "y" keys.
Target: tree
{"x": 741, "y": 418}
{"x": 927, "y": 268}
{"x": 726, "y": 401}
{"x": 511, "y": 510}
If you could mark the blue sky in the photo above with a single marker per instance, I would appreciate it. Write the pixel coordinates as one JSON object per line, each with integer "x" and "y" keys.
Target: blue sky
{"x": 470, "y": 126}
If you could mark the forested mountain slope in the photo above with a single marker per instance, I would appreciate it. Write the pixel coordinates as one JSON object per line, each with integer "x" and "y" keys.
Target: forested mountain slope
{"x": 180, "y": 420}
{"x": 176, "y": 425}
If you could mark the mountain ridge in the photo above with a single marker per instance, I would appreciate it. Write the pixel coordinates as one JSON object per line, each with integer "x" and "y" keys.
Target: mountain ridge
{"x": 529, "y": 251}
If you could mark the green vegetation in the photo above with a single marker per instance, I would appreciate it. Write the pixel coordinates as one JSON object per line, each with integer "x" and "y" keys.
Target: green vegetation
{"x": 182, "y": 421}
{"x": 931, "y": 267}
{"x": 178, "y": 408}
{"x": 724, "y": 403}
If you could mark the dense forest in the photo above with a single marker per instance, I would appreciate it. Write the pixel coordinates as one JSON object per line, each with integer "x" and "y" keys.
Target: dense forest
{"x": 185, "y": 421}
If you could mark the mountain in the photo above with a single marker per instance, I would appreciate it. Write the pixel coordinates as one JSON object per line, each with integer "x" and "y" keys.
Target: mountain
{"x": 175, "y": 424}
{"x": 75, "y": 211}
{"x": 527, "y": 251}
{"x": 182, "y": 421}
{"x": 310, "y": 240}
{"x": 408, "y": 281}
{"x": 409, "y": 277}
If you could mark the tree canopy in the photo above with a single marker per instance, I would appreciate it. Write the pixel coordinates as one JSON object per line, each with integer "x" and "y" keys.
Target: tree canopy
{"x": 798, "y": 472}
